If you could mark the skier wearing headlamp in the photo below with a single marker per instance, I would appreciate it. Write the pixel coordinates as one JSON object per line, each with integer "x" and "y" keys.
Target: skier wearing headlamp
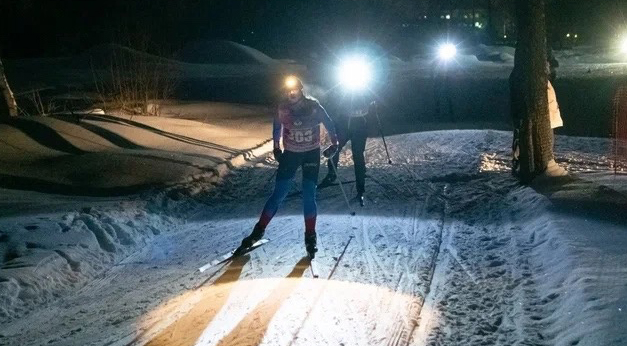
{"x": 297, "y": 124}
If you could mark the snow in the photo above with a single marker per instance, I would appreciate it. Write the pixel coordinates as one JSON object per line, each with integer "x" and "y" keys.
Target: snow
{"x": 449, "y": 249}
{"x": 53, "y": 244}
{"x": 105, "y": 220}
{"x": 222, "y": 52}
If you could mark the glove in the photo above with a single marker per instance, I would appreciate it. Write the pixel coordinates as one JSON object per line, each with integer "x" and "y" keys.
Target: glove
{"x": 277, "y": 154}
{"x": 330, "y": 151}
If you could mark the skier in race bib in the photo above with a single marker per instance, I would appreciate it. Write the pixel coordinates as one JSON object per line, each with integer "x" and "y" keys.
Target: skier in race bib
{"x": 297, "y": 124}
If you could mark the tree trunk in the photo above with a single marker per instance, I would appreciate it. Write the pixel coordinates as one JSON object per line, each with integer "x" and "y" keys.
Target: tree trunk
{"x": 529, "y": 89}
{"x": 8, "y": 94}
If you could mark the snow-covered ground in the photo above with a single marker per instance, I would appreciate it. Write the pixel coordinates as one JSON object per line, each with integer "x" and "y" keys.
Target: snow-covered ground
{"x": 449, "y": 249}
{"x": 105, "y": 220}
{"x": 54, "y": 239}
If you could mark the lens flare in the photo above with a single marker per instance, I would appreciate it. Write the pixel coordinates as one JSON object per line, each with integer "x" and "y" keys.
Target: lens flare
{"x": 355, "y": 73}
{"x": 447, "y": 51}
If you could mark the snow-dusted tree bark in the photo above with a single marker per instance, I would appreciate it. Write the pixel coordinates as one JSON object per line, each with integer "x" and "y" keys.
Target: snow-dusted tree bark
{"x": 529, "y": 90}
{"x": 8, "y": 94}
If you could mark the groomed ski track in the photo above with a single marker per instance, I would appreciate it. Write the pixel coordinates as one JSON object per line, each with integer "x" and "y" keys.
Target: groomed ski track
{"x": 437, "y": 258}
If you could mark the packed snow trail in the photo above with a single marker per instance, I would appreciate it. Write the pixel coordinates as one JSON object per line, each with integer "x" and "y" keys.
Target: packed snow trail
{"x": 436, "y": 257}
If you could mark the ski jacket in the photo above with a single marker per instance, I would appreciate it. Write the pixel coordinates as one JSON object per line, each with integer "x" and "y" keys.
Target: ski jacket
{"x": 299, "y": 125}
{"x": 352, "y": 116}
{"x": 517, "y": 106}
{"x": 554, "y": 109}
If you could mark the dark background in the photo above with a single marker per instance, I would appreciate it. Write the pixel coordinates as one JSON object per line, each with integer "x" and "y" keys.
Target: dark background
{"x": 281, "y": 28}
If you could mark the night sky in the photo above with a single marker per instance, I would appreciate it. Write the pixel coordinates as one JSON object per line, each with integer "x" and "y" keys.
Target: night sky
{"x": 33, "y": 28}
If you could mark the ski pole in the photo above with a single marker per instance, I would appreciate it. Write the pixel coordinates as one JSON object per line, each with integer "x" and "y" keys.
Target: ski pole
{"x": 376, "y": 113}
{"x": 340, "y": 183}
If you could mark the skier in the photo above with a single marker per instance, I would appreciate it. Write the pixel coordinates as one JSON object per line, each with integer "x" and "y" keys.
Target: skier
{"x": 297, "y": 123}
{"x": 351, "y": 125}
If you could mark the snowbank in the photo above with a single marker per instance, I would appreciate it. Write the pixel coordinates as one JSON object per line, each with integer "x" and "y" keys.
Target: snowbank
{"x": 54, "y": 240}
{"x": 449, "y": 246}
{"x": 577, "y": 239}
{"x": 222, "y": 52}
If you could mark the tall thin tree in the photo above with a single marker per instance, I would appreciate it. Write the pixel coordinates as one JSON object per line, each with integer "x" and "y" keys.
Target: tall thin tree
{"x": 8, "y": 94}
{"x": 529, "y": 90}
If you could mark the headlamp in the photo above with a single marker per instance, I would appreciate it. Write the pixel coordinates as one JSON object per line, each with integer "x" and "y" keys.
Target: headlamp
{"x": 292, "y": 83}
{"x": 355, "y": 73}
{"x": 447, "y": 51}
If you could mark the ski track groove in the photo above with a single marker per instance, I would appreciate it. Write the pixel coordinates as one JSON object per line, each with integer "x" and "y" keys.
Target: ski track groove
{"x": 478, "y": 293}
{"x": 419, "y": 244}
{"x": 405, "y": 323}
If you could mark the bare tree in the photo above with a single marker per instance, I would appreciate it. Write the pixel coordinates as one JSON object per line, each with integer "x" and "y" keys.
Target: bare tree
{"x": 8, "y": 94}
{"x": 529, "y": 90}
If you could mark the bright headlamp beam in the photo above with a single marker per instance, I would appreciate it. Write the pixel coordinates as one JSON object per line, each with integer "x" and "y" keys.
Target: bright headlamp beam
{"x": 291, "y": 82}
{"x": 447, "y": 51}
{"x": 355, "y": 73}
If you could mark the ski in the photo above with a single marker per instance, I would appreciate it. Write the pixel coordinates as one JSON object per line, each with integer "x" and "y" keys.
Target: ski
{"x": 337, "y": 262}
{"x": 314, "y": 272}
{"x": 229, "y": 256}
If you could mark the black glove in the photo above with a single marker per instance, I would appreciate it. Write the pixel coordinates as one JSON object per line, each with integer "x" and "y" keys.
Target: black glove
{"x": 277, "y": 154}
{"x": 330, "y": 151}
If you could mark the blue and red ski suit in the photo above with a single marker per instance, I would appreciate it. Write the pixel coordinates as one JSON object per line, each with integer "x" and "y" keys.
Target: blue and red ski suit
{"x": 298, "y": 125}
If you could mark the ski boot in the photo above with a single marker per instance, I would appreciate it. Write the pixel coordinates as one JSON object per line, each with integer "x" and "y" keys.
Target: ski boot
{"x": 310, "y": 244}
{"x": 328, "y": 180}
{"x": 248, "y": 241}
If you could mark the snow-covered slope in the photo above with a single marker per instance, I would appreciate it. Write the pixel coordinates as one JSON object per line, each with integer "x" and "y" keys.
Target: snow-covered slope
{"x": 54, "y": 239}
{"x": 449, "y": 249}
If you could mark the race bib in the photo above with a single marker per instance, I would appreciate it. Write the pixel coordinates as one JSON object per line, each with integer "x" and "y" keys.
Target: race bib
{"x": 301, "y": 136}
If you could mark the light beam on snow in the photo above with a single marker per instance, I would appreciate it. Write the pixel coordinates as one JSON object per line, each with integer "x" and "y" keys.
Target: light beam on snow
{"x": 282, "y": 311}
